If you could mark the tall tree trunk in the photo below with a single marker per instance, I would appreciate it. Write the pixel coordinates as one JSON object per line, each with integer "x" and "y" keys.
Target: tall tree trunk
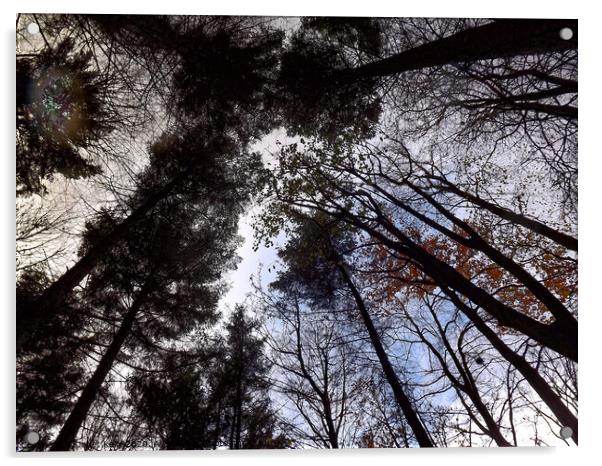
{"x": 558, "y": 237}
{"x": 333, "y": 434}
{"x": 402, "y": 399}
{"x": 232, "y": 428}
{"x": 69, "y": 431}
{"x": 501, "y": 38}
{"x": 567, "y": 112}
{"x": 556, "y": 336}
{"x": 528, "y": 101}
{"x": 476, "y": 241}
{"x": 51, "y": 300}
{"x": 238, "y": 418}
{"x": 218, "y": 425}
{"x": 333, "y": 437}
{"x": 492, "y": 428}
{"x": 537, "y": 382}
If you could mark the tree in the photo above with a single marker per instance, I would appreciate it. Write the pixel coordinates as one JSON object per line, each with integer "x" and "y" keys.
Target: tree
{"x": 246, "y": 369}
{"x": 305, "y": 183}
{"x": 60, "y": 113}
{"x": 317, "y": 71}
{"x": 317, "y": 243}
{"x": 51, "y": 366}
{"x": 214, "y": 169}
{"x": 311, "y": 101}
{"x": 314, "y": 370}
{"x": 214, "y": 402}
{"x": 169, "y": 289}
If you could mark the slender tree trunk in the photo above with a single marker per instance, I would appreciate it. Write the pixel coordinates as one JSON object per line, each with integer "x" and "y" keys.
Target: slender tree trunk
{"x": 232, "y": 428}
{"x": 567, "y": 112}
{"x": 493, "y": 430}
{"x": 239, "y": 395}
{"x": 492, "y": 427}
{"x": 501, "y": 38}
{"x": 538, "y": 95}
{"x": 526, "y": 102}
{"x": 52, "y": 299}
{"x": 556, "y": 336}
{"x": 333, "y": 435}
{"x": 558, "y": 237}
{"x": 476, "y": 241}
{"x": 402, "y": 399}
{"x": 238, "y": 416}
{"x": 218, "y": 424}
{"x": 332, "y": 431}
{"x": 537, "y": 382}
{"x": 68, "y": 432}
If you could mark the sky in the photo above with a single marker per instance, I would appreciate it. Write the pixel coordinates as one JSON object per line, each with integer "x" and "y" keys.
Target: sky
{"x": 257, "y": 263}
{"x": 263, "y": 259}
{"x": 251, "y": 264}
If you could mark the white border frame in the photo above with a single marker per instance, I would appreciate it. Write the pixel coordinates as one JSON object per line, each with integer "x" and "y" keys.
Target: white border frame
{"x": 589, "y": 213}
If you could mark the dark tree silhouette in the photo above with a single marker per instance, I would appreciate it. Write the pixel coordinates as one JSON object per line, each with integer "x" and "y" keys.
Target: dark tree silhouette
{"x": 51, "y": 366}
{"x": 60, "y": 112}
{"x": 170, "y": 289}
{"x": 315, "y": 254}
{"x": 331, "y": 94}
{"x": 211, "y": 404}
{"x": 182, "y": 166}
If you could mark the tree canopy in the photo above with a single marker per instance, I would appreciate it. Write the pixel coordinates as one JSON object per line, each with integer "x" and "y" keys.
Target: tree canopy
{"x": 409, "y": 186}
